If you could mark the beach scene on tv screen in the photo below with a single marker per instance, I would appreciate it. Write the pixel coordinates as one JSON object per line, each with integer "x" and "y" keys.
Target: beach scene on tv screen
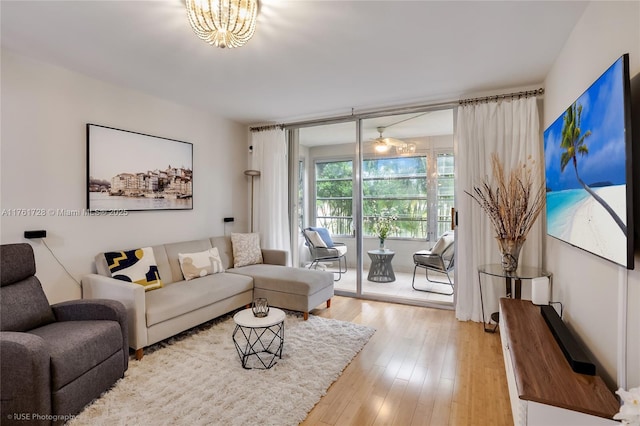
{"x": 585, "y": 170}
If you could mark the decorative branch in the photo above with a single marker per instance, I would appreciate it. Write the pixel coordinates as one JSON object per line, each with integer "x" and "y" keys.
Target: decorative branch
{"x": 510, "y": 202}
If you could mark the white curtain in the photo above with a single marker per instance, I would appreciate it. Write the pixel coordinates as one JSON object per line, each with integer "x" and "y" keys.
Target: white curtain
{"x": 271, "y": 212}
{"x": 511, "y": 129}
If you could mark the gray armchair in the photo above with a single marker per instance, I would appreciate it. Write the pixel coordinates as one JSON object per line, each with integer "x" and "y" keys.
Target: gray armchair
{"x": 323, "y": 249}
{"x": 440, "y": 258}
{"x": 55, "y": 359}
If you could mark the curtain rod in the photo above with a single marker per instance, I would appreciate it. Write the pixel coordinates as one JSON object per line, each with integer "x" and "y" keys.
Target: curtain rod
{"x": 371, "y": 114}
{"x": 496, "y": 98}
{"x": 397, "y": 110}
{"x": 265, "y": 128}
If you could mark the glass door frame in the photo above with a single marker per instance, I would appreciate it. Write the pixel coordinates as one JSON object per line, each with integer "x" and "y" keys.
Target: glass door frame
{"x": 357, "y": 194}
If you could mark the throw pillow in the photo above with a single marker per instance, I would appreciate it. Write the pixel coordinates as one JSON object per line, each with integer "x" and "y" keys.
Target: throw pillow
{"x": 324, "y": 234}
{"x": 246, "y": 249}
{"x": 444, "y": 242}
{"x": 315, "y": 239}
{"x": 135, "y": 266}
{"x": 194, "y": 265}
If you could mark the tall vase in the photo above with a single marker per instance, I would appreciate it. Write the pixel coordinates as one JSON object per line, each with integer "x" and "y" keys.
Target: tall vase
{"x": 381, "y": 247}
{"x": 510, "y": 251}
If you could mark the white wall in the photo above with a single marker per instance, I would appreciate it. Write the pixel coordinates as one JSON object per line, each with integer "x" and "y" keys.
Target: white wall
{"x": 43, "y": 158}
{"x": 587, "y": 285}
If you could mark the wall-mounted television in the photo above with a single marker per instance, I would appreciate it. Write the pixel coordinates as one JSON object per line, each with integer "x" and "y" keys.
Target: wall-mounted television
{"x": 588, "y": 169}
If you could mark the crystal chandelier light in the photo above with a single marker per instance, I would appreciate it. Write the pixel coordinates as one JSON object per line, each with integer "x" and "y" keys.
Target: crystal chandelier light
{"x": 223, "y": 23}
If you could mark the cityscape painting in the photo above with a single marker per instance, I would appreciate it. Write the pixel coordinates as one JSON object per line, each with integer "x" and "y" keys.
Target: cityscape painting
{"x": 129, "y": 171}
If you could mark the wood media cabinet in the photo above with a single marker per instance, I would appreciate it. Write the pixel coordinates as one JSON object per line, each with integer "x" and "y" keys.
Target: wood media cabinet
{"x": 543, "y": 388}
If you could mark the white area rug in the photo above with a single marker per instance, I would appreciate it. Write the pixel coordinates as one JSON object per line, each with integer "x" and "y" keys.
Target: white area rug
{"x": 196, "y": 378}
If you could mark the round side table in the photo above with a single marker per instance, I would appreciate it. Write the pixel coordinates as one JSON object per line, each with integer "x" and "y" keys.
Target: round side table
{"x": 259, "y": 341}
{"x": 381, "y": 270}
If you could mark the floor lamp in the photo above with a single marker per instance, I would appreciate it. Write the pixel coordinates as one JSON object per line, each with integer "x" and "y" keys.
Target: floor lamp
{"x": 253, "y": 174}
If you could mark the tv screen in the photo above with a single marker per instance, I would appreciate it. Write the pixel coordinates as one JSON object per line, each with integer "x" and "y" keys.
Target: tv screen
{"x": 588, "y": 169}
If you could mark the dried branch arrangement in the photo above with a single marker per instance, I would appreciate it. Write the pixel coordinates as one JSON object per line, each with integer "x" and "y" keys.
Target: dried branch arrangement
{"x": 511, "y": 203}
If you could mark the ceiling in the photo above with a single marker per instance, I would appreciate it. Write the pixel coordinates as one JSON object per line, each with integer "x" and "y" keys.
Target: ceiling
{"x": 307, "y": 59}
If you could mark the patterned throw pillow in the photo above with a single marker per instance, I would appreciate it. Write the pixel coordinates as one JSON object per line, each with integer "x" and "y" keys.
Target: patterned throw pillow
{"x": 135, "y": 266}
{"x": 246, "y": 249}
{"x": 199, "y": 264}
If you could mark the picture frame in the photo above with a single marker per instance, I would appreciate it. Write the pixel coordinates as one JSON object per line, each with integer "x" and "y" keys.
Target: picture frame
{"x": 131, "y": 171}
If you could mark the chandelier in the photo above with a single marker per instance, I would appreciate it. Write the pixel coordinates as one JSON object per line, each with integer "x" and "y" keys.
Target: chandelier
{"x": 223, "y": 23}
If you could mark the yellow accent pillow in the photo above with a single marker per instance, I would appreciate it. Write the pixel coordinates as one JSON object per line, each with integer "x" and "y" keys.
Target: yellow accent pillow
{"x": 135, "y": 266}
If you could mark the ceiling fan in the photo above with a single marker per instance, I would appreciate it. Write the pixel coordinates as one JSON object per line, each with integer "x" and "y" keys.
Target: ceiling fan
{"x": 382, "y": 144}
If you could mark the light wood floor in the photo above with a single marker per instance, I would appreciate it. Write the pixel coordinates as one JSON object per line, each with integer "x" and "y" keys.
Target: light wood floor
{"x": 421, "y": 367}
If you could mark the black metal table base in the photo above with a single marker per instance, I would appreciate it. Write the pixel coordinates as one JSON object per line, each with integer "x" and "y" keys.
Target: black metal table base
{"x": 258, "y": 347}
{"x": 495, "y": 317}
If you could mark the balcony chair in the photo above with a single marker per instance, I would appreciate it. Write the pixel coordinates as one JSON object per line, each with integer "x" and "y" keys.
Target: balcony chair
{"x": 439, "y": 259}
{"x": 54, "y": 359}
{"x": 324, "y": 249}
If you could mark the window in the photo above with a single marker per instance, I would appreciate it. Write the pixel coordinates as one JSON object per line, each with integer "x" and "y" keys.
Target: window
{"x": 398, "y": 186}
{"x": 444, "y": 192}
{"x": 418, "y": 189}
{"x": 334, "y": 196}
{"x": 301, "y": 209}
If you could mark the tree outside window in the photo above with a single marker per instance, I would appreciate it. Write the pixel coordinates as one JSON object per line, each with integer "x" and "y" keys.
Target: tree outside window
{"x": 420, "y": 198}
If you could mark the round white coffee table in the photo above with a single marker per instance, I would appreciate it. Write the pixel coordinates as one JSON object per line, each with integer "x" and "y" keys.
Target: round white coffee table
{"x": 259, "y": 340}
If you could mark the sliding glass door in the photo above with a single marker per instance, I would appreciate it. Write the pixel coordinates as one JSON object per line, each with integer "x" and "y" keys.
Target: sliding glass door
{"x": 327, "y": 201}
{"x": 383, "y": 189}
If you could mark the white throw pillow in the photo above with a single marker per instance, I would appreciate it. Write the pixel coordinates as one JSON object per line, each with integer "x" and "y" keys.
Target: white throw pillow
{"x": 194, "y": 265}
{"x": 315, "y": 238}
{"x": 444, "y": 242}
{"x": 246, "y": 249}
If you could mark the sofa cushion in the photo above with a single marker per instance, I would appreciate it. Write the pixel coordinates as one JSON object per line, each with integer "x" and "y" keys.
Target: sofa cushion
{"x": 24, "y": 306}
{"x": 286, "y": 279}
{"x": 223, "y": 244}
{"x": 195, "y": 265}
{"x": 135, "y": 266}
{"x": 182, "y": 297}
{"x": 78, "y": 346}
{"x": 246, "y": 249}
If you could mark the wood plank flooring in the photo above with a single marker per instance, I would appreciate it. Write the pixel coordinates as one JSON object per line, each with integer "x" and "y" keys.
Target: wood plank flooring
{"x": 421, "y": 367}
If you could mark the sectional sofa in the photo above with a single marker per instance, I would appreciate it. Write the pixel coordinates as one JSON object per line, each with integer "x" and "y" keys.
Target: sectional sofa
{"x": 180, "y": 304}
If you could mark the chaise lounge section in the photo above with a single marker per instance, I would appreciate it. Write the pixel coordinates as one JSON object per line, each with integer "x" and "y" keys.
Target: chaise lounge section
{"x": 182, "y": 304}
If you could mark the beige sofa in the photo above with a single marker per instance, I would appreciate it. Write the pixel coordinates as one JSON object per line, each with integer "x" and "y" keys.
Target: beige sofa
{"x": 179, "y": 305}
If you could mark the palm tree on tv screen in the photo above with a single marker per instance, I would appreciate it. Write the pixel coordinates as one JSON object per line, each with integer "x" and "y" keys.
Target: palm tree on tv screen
{"x": 573, "y": 144}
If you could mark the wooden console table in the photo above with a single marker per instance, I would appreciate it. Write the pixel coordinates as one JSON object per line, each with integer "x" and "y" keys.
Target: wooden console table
{"x": 543, "y": 388}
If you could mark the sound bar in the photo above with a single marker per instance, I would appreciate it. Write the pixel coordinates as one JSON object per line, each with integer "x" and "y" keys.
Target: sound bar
{"x": 570, "y": 348}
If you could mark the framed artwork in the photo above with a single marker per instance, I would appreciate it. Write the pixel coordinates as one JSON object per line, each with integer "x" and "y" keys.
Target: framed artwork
{"x": 129, "y": 171}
